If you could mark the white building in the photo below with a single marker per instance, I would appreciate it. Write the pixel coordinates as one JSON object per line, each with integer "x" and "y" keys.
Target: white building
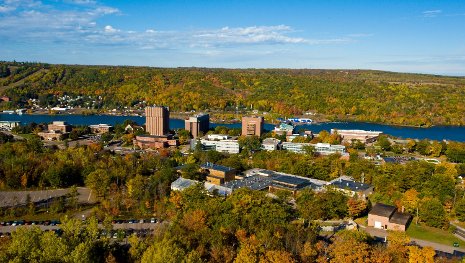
{"x": 295, "y": 147}
{"x": 181, "y": 183}
{"x": 225, "y": 146}
{"x": 320, "y": 148}
{"x": 270, "y": 144}
{"x": 218, "y": 137}
{"x": 326, "y": 148}
{"x": 8, "y": 125}
{"x": 361, "y": 135}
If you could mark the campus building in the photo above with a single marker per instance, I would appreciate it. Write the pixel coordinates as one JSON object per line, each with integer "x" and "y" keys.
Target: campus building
{"x": 8, "y": 125}
{"x": 360, "y": 135}
{"x": 157, "y": 120}
{"x": 100, "y": 128}
{"x": 154, "y": 142}
{"x": 320, "y": 148}
{"x": 352, "y": 188}
{"x": 198, "y": 125}
{"x": 271, "y": 144}
{"x": 60, "y": 126}
{"x": 252, "y": 126}
{"x": 386, "y": 217}
{"x": 217, "y": 142}
{"x": 218, "y": 174}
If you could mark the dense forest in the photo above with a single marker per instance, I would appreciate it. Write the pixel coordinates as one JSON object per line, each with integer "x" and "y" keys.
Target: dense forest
{"x": 361, "y": 95}
{"x": 247, "y": 226}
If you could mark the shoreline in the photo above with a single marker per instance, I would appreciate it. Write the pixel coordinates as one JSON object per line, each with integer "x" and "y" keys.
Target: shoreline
{"x": 182, "y": 116}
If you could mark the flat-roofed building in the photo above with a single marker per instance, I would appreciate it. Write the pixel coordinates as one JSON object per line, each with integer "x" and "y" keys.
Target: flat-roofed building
{"x": 100, "y": 128}
{"x": 8, "y": 125}
{"x": 198, "y": 125}
{"x": 350, "y": 187}
{"x": 218, "y": 137}
{"x": 224, "y": 146}
{"x": 181, "y": 184}
{"x": 157, "y": 120}
{"x": 61, "y": 126}
{"x": 292, "y": 184}
{"x": 52, "y": 135}
{"x": 320, "y": 148}
{"x": 252, "y": 126}
{"x": 360, "y": 135}
{"x": 154, "y": 142}
{"x": 270, "y": 144}
{"x": 218, "y": 174}
{"x": 261, "y": 179}
{"x": 284, "y": 128}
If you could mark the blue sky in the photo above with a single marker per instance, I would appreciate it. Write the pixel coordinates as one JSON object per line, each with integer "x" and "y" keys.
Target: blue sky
{"x": 405, "y": 36}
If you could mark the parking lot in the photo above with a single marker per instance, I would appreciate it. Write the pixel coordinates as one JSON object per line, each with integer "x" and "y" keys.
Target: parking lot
{"x": 15, "y": 198}
{"x": 139, "y": 226}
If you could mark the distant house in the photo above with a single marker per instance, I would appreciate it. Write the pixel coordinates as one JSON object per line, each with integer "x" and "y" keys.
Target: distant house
{"x": 386, "y": 217}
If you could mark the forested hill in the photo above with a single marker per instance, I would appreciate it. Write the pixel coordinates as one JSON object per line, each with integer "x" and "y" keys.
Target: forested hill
{"x": 363, "y": 95}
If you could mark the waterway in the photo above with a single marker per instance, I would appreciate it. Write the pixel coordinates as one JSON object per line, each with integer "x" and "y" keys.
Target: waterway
{"x": 453, "y": 133}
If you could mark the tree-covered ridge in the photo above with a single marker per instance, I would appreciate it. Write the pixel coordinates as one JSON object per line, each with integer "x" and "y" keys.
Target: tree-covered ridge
{"x": 362, "y": 95}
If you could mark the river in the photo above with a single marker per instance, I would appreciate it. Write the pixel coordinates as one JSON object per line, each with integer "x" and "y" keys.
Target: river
{"x": 453, "y": 133}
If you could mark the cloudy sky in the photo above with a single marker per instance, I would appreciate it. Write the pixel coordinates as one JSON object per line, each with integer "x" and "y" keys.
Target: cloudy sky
{"x": 419, "y": 36}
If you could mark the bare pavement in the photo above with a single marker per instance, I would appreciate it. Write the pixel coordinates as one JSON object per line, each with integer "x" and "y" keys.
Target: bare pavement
{"x": 15, "y": 198}
{"x": 422, "y": 243}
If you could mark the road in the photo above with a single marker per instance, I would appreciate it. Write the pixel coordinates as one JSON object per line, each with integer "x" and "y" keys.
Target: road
{"x": 422, "y": 243}
{"x": 14, "y": 198}
{"x": 135, "y": 226}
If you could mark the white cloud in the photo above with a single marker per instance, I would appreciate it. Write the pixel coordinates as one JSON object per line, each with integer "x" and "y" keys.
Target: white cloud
{"x": 77, "y": 23}
{"x": 110, "y": 29}
{"x": 82, "y": 2}
{"x": 431, "y": 13}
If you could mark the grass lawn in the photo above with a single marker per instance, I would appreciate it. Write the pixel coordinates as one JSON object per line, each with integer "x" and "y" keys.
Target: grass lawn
{"x": 434, "y": 235}
{"x": 361, "y": 220}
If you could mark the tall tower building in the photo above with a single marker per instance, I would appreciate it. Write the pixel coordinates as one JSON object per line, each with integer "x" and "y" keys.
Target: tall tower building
{"x": 252, "y": 126}
{"x": 198, "y": 124}
{"x": 157, "y": 120}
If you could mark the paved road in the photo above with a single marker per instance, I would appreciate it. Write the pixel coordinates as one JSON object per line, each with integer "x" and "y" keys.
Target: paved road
{"x": 13, "y": 198}
{"x": 423, "y": 243}
{"x": 135, "y": 226}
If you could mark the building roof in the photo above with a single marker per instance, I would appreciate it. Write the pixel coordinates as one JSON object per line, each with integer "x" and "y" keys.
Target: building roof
{"x": 212, "y": 166}
{"x": 400, "y": 218}
{"x": 345, "y": 182}
{"x": 291, "y": 181}
{"x": 380, "y": 209}
{"x": 254, "y": 182}
{"x": 182, "y": 183}
{"x": 101, "y": 125}
{"x": 221, "y": 190}
{"x": 271, "y": 141}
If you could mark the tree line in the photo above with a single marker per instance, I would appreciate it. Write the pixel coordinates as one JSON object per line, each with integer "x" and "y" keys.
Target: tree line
{"x": 374, "y": 96}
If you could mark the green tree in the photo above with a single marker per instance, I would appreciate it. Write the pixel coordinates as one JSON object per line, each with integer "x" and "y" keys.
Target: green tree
{"x": 432, "y": 213}
{"x": 164, "y": 251}
{"x": 250, "y": 144}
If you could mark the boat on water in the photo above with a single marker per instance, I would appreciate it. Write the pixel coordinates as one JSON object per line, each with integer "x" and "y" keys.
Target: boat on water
{"x": 300, "y": 120}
